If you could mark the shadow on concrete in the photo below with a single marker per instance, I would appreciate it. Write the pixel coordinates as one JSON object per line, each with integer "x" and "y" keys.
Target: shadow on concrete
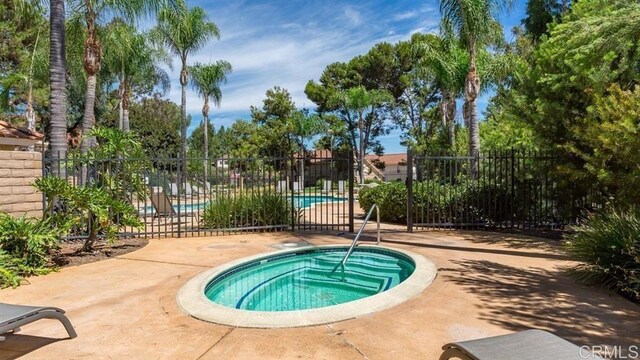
{"x": 18, "y": 345}
{"x": 522, "y": 298}
{"x": 475, "y": 250}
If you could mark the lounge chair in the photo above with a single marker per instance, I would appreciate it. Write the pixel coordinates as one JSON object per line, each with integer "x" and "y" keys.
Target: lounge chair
{"x": 14, "y": 316}
{"x": 162, "y": 205}
{"x": 282, "y": 186}
{"x": 326, "y": 186}
{"x": 524, "y": 345}
{"x": 175, "y": 190}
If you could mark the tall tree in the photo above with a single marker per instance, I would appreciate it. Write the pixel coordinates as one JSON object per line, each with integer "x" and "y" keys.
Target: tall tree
{"x": 58, "y": 94}
{"x": 91, "y": 12}
{"x": 273, "y": 117}
{"x": 136, "y": 63}
{"x": 184, "y": 32}
{"x": 540, "y": 13}
{"x": 360, "y": 104}
{"x": 206, "y": 80}
{"x": 474, "y": 21}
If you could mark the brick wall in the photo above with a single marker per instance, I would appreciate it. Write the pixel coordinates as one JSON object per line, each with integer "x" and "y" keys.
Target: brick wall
{"x": 18, "y": 170}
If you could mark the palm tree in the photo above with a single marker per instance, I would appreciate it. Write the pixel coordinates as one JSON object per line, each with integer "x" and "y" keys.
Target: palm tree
{"x": 91, "y": 12}
{"x": 57, "y": 75}
{"x": 184, "y": 32}
{"x": 474, "y": 23}
{"x": 363, "y": 103}
{"x": 136, "y": 62}
{"x": 447, "y": 63}
{"x": 206, "y": 80}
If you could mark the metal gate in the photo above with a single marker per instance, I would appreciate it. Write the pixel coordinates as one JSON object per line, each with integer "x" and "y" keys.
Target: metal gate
{"x": 200, "y": 197}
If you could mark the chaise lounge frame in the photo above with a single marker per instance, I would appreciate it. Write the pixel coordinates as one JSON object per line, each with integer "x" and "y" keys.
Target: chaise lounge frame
{"x": 12, "y": 317}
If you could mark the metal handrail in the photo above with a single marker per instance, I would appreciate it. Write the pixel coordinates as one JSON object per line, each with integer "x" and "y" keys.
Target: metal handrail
{"x": 364, "y": 223}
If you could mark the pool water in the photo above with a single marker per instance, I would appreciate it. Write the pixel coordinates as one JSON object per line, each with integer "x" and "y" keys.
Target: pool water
{"x": 305, "y": 201}
{"x": 308, "y": 279}
{"x": 301, "y": 201}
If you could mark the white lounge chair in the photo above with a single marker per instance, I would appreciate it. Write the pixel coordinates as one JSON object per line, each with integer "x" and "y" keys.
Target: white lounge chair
{"x": 175, "y": 190}
{"x": 326, "y": 186}
{"x": 282, "y": 186}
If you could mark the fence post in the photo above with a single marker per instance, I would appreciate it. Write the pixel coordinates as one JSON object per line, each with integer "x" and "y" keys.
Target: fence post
{"x": 351, "y": 198}
{"x": 290, "y": 184}
{"x": 409, "y": 191}
{"x": 513, "y": 185}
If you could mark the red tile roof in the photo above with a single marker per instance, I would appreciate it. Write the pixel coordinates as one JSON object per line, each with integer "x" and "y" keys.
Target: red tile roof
{"x": 389, "y": 159}
{"x": 11, "y": 131}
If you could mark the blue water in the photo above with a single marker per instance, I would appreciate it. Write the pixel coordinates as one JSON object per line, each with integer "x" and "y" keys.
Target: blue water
{"x": 305, "y": 201}
{"x": 301, "y": 201}
{"x": 307, "y": 280}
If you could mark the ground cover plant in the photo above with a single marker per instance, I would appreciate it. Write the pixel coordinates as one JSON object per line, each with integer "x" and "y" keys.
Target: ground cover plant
{"x": 608, "y": 244}
{"x": 26, "y": 246}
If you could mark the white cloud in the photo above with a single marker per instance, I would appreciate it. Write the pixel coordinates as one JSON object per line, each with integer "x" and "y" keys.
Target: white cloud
{"x": 269, "y": 46}
{"x": 353, "y": 16}
{"x": 405, "y": 15}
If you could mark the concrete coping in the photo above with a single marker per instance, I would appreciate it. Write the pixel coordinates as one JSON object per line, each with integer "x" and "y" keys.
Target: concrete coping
{"x": 192, "y": 300}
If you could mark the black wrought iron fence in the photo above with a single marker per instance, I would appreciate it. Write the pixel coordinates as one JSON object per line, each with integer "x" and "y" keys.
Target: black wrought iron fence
{"x": 500, "y": 189}
{"x": 175, "y": 197}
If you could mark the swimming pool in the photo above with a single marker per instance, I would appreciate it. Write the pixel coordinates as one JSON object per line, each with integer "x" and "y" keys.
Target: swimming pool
{"x": 305, "y": 286}
{"x": 305, "y": 201}
{"x": 300, "y": 201}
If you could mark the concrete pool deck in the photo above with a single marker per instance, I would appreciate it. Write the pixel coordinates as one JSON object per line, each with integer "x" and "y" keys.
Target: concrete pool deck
{"x": 487, "y": 284}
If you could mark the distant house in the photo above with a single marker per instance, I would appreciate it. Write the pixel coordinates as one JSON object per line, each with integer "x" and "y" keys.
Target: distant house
{"x": 388, "y": 167}
{"x": 15, "y": 138}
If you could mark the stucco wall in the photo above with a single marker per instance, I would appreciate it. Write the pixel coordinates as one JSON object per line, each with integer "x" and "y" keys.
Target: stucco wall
{"x": 18, "y": 170}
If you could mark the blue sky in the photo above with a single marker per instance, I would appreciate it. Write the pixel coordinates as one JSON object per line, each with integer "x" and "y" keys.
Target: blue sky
{"x": 289, "y": 42}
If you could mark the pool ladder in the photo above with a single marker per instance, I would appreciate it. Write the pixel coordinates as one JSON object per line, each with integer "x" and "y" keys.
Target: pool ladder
{"x": 355, "y": 239}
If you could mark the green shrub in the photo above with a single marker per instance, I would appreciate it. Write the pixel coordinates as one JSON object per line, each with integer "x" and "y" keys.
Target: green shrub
{"x": 246, "y": 210}
{"x": 391, "y": 199}
{"x": 10, "y": 269}
{"x": 93, "y": 205}
{"x": 434, "y": 201}
{"x": 25, "y": 248}
{"x": 608, "y": 243}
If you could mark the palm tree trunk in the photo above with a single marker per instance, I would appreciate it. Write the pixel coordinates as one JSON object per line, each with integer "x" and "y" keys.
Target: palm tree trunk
{"x": 91, "y": 62}
{"x": 88, "y": 119}
{"x": 205, "y": 115}
{"x": 30, "y": 114}
{"x": 471, "y": 90}
{"x": 361, "y": 152}
{"x": 183, "y": 125}
{"x": 58, "y": 93}
{"x": 126, "y": 95}
{"x": 120, "y": 109}
{"x": 451, "y": 119}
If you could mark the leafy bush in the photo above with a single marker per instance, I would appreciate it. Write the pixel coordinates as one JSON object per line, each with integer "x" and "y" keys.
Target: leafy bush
{"x": 91, "y": 205}
{"x": 25, "y": 248}
{"x": 391, "y": 199}
{"x": 10, "y": 269}
{"x": 608, "y": 243}
{"x": 246, "y": 210}
{"x": 434, "y": 201}
{"x": 114, "y": 172}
